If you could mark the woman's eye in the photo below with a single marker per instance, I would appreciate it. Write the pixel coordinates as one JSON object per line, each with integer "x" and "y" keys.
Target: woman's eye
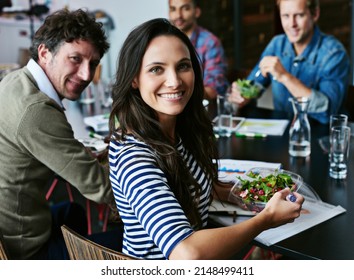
{"x": 155, "y": 70}
{"x": 184, "y": 66}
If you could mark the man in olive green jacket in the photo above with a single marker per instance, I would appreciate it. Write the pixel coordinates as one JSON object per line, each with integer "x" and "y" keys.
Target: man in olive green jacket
{"x": 36, "y": 139}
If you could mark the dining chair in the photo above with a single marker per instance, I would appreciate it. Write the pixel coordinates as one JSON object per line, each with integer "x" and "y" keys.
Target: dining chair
{"x": 81, "y": 248}
{"x": 55, "y": 182}
{"x": 102, "y": 209}
{"x": 103, "y": 212}
{"x": 3, "y": 253}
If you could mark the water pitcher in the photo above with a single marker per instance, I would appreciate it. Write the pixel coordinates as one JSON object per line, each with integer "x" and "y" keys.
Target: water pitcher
{"x": 300, "y": 130}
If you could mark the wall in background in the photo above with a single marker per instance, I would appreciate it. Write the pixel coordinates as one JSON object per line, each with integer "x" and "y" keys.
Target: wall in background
{"x": 244, "y": 26}
{"x": 125, "y": 15}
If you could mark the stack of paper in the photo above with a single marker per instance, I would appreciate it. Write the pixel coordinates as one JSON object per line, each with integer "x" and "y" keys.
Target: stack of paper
{"x": 263, "y": 126}
{"x": 98, "y": 123}
{"x": 313, "y": 213}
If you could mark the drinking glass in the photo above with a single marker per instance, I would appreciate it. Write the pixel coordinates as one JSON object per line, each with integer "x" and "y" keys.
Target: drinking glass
{"x": 339, "y": 151}
{"x": 223, "y": 121}
{"x": 338, "y": 120}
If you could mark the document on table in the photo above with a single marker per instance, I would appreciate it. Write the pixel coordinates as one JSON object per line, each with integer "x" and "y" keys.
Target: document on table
{"x": 232, "y": 209}
{"x": 313, "y": 213}
{"x": 230, "y": 168}
{"x": 99, "y": 123}
{"x": 274, "y": 127}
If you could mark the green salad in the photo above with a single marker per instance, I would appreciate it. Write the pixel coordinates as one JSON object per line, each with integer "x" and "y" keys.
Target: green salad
{"x": 261, "y": 189}
{"x": 248, "y": 89}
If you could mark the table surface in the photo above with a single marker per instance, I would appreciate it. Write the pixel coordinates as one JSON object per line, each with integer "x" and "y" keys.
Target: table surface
{"x": 332, "y": 239}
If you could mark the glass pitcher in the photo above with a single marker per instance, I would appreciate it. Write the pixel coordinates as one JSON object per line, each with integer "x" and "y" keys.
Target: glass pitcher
{"x": 300, "y": 130}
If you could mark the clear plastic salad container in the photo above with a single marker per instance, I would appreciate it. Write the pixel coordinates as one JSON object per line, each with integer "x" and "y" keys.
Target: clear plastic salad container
{"x": 256, "y": 187}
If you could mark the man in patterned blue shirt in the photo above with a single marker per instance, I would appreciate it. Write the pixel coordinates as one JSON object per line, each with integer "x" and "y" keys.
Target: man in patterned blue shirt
{"x": 303, "y": 62}
{"x": 184, "y": 14}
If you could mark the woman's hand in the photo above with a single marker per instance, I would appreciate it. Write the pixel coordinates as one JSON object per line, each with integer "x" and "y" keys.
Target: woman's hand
{"x": 281, "y": 210}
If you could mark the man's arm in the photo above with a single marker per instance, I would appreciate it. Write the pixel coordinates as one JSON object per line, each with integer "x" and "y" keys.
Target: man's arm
{"x": 272, "y": 65}
{"x": 215, "y": 67}
{"x": 51, "y": 141}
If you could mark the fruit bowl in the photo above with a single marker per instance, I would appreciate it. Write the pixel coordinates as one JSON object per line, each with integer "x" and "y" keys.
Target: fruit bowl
{"x": 256, "y": 187}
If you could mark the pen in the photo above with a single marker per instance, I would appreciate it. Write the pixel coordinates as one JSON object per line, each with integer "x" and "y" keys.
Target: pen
{"x": 95, "y": 135}
{"x": 291, "y": 196}
{"x": 251, "y": 135}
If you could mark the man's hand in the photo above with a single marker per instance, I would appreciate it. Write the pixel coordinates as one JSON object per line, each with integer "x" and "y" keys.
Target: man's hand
{"x": 235, "y": 96}
{"x": 272, "y": 65}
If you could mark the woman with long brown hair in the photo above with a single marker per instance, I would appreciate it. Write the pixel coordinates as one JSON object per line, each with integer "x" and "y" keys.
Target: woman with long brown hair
{"x": 162, "y": 154}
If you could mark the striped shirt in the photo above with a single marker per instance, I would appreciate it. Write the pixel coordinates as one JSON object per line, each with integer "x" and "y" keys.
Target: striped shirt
{"x": 154, "y": 222}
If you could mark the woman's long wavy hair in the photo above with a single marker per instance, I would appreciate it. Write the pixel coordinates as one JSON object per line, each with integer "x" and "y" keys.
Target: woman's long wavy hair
{"x": 193, "y": 125}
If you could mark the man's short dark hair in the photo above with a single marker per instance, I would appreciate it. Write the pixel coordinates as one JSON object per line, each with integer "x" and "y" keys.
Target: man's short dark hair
{"x": 68, "y": 26}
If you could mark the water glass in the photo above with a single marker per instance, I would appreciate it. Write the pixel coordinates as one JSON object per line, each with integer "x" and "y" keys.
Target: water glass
{"x": 88, "y": 100}
{"x": 106, "y": 96}
{"x": 339, "y": 151}
{"x": 334, "y": 120}
{"x": 338, "y": 120}
{"x": 223, "y": 121}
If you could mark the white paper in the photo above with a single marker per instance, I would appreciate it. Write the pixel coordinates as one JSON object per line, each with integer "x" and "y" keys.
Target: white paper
{"x": 218, "y": 206}
{"x": 229, "y": 169}
{"x": 264, "y": 126}
{"x": 96, "y": 145}
{"x": 314, "y": 213}
{"x": 99, "y": 123}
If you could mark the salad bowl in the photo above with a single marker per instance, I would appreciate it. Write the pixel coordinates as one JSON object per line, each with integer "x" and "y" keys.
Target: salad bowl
{"x": 257, "y": 186}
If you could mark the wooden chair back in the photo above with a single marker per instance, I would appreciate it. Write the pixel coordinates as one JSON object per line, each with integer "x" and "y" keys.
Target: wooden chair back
{"x": 81, "y": 248}
{"x": 3, "y": 253}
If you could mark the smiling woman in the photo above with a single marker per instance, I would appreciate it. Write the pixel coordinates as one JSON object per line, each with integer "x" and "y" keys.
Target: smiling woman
{"x": 166, "y": 79}
{"x": 161, "y": 157}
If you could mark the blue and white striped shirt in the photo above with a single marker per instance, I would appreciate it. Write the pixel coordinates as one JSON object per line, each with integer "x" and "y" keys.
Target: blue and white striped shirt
{"x": 154, "y": 222}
